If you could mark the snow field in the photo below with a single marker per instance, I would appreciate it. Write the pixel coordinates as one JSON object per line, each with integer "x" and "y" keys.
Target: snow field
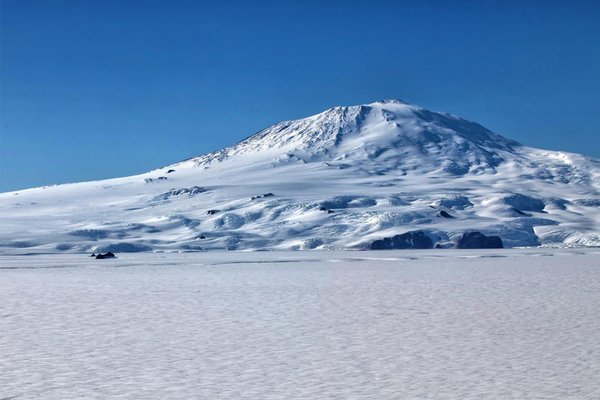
{"x": 479, "y": 324}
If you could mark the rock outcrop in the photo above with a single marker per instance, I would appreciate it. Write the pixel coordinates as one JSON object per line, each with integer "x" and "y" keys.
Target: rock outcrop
{"x": 408, "y": 240}
{"x": 477, "y": 240}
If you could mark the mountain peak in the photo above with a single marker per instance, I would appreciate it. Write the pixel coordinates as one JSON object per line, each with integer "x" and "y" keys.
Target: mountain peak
{"x": 345, "y": 178}
{"x": 390, "y": 130}
{"x": 390, "y": 101}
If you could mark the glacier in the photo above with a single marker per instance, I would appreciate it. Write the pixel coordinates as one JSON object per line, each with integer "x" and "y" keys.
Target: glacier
{"x": 341, "y": 179}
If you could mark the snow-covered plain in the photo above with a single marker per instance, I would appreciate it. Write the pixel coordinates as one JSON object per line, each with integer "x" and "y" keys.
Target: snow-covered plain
{"x": 340, "y": 179}
{"x": 431, "y": 324}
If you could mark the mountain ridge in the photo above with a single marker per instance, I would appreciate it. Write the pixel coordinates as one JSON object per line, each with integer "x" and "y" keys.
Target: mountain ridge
{"x": 342, "y": 178}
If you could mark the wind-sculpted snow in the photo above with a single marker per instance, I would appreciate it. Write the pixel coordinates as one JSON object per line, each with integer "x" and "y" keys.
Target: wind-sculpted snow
{"x": 348, "y": 202}
{"x": 588, "y": 202}
{"x": 410, "y": 324}
{"x": 453, "y": 201}
{"x": 525, "y": 203}
{"x": 229, "y": 221}
{"x": 341, "y": 179}
{"x": 94, "y": 234}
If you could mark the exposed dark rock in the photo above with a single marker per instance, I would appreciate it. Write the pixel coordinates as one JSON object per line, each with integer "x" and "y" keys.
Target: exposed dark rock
{"x": 171, "y": 170}
{"x": 212, "y": 212}
{"x": 408, "y": 240}
{"x": 160, "y": 178}
{"x": 106, "y": 255}
{"x": 445, "y": 214}
{"x": 93, "y": 255}
{"x": 192, "y": 191}
{"x": 326, "y": 209}
{"x": 477, "y": 240}
{"x": 262, "y": 196}
{"x": 201, "y": 237}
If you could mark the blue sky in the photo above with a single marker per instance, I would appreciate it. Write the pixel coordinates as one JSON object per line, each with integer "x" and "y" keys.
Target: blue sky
{"x": 101, "y": 89}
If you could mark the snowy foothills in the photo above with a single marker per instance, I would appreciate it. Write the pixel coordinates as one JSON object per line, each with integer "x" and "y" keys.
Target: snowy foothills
{"x": 341, "y": 179}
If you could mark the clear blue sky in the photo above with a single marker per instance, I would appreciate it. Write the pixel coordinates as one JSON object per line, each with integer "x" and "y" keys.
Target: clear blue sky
{"x": 100, "y": 89}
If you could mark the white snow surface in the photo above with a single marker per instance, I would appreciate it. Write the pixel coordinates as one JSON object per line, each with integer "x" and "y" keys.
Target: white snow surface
{"x": 432, "y": 324}
{"x": 382, "y": 169}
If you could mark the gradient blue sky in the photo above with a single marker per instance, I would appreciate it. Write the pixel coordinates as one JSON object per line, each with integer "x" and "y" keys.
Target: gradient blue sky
{"x": 100, "y": 89}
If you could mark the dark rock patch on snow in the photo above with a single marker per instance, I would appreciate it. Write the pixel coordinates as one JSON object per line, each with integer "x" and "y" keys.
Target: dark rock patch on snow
{"x": 326, "y": 209}
{"x": 160, "y": 178}
{"x": 444, "y": 214}
{"x": 262, "y": 196}
{"x": 408, "y": 240}
{"x": 178, "y": 192}
{"x": 106, "y": 255}
{"x": 477, "y": 240}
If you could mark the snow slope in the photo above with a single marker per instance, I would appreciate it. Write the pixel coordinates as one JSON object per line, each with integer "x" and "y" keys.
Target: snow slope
{"x": 339, "y": 179}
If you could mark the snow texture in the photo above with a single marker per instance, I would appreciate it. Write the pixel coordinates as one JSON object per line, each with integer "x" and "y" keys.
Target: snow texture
{"x": 408, "y": 324}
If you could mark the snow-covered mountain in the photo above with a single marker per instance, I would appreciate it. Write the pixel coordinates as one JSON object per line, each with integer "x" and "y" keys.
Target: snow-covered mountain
{"x": 343, "y": 178}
